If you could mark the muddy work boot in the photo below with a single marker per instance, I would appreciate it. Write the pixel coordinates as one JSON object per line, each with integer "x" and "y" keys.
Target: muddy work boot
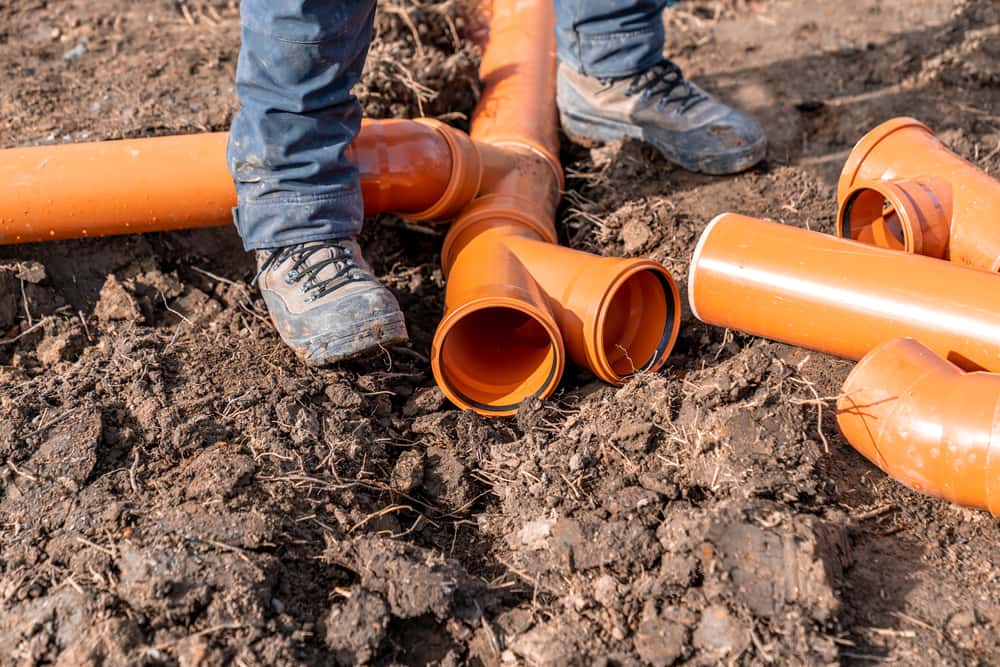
{"x": 659, "y": 106}
{"x": 325, "y": 302}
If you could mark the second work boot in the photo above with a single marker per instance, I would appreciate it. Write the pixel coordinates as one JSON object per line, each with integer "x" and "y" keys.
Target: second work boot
{"x": 659, "y": 106}
{"x": 325, "y": 302}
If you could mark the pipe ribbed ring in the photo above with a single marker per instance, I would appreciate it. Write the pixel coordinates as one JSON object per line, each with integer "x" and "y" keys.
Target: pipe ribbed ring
{"x": 466, "y": 174}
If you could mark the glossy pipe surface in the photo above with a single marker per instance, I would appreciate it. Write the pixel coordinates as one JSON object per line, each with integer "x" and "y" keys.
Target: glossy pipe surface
{"x": 840, "y": 296}
{"x": 902, "y": 188}
{"x": 516, "y": 302}
{"x": 498, "y": 343}
{"x": 166, "y": 183}
{"x": 925, "y": 422}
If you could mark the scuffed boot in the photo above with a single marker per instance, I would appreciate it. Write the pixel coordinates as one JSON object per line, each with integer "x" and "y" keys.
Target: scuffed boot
{"x": 690, "y": 127}
{"x": 325, "y": 302}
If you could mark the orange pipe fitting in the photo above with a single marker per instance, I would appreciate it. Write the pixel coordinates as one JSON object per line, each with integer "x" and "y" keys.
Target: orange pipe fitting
{"x": 423, "y": 169}
{"x": 926, "y": 423}
{"x": 903, "y": 189}
{"x": 516, "y": 303}
{"x": 832, "y": 295}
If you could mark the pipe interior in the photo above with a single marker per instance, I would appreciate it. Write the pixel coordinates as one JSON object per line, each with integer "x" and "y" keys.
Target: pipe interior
{"x": 496, "y": 357}
{"x": 639, "y": 323}
{"x": 871, "y": 218}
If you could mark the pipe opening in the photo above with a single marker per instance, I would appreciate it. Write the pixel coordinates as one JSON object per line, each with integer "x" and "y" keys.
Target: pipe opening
{"x": 496, "y": 357}
{"x": 638, "y": 325}
{"x": 871, "y": 218}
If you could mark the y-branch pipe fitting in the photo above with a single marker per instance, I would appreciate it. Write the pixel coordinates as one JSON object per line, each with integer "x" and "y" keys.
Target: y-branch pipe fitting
{"x": 926, "y": 423}
{"x": 839, "y": 296}
{"x": 903, "y": 189}
{"x": 515, "y": 301}
{"x": 422, "y": 169}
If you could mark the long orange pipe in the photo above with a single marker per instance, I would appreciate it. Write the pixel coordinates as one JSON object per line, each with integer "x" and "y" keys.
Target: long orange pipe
{"x": 422, "y": 168}
{"x": 902, "y": 188}
{"x": 516, "y": 303}
{"x": 841, "y": 296}
{"x": 925, "y": 422}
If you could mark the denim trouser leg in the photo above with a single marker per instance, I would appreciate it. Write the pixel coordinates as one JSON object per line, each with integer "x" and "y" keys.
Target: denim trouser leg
{"x": 610, "y": 38}
{"x": 297, "y": 65}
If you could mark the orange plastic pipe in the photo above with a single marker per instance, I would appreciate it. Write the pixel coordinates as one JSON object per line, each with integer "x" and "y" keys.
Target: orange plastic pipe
{"x": 903, "y": 189}
{"x": 840, "y": 296}
{"x": 926, "y": 423}
{"x": 516, "y": 303}
{"x": 420, "y": 168}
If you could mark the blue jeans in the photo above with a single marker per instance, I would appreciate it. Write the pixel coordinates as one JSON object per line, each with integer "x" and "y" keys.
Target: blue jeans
{"x": 298, "y": 63}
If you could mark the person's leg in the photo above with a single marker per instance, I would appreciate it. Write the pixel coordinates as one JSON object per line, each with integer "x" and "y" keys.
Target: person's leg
{"x": 610, "y": 39}
{"x": 298, "y": 62}
{"x": 614, "y": 82}
{"x": 299, "y": 198}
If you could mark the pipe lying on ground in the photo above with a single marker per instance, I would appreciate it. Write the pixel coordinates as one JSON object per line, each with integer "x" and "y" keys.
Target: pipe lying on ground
{"x": 839, "y": 296}
{"x": 515, "y": 301}
{"x": 901, "y": 188}
{"x": 422, "y": 169}
{"x": 926, "y": 423}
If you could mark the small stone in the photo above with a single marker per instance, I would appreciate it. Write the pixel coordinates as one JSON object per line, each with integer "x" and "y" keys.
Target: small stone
{"x": 75, "y": 53}
{"x": 634, "y": 235}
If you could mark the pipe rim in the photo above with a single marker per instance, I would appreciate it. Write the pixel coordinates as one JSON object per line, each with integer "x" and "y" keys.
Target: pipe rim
{"x": 461, "y": 188}
{"x": 696, "y": 260}
{"x": 447, "y": 325}
{"x": 867, "y": 144}
{"x": 992, "y": 464}
{"x": 671, "y": 326}
{"x": 905, "y": 207}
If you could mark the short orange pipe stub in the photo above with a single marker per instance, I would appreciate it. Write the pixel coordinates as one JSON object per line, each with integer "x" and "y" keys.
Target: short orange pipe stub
{"x": 901, "y": 156}
{"x": 912, "y": 215}
{"x": 925, "y": 422}
{"x": 619, "y": 316}
{"x": 491, "y": 354}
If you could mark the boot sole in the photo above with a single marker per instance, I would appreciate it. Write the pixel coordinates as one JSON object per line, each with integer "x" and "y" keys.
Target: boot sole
{"x": 372, "y": 335}
{"x": 587, "y": 129}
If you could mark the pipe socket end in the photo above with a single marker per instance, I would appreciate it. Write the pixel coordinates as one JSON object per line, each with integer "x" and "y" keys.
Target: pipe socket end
{"x": 492, "y": 354}
{"x": 637, "y": 323}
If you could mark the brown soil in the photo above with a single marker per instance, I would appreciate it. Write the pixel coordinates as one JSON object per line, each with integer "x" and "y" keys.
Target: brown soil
{"x": 178, "y": 489}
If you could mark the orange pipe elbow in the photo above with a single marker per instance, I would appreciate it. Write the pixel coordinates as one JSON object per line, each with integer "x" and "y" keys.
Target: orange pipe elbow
{"x": 422, "y": 169}
{"x": 926, "y": 423}
{"x": 839, "y": 296}
{"x": 517, "y": 303}
{"x": 901, "y": 188}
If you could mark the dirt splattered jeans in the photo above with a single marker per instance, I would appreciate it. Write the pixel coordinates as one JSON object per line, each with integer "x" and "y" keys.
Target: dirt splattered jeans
{"x": 298, "y": 63}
